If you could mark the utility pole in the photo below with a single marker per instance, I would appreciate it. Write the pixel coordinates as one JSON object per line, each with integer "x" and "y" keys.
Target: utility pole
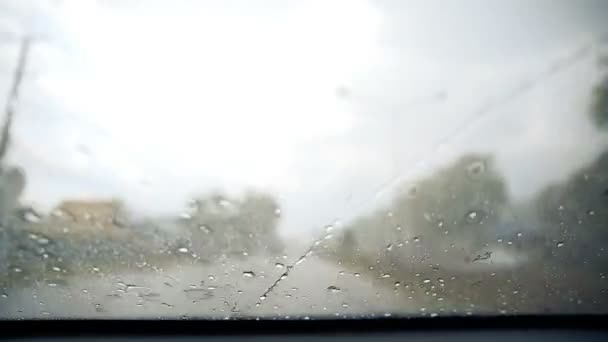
{"x": 12, "y": 179}
{"x": 12, "y": 98}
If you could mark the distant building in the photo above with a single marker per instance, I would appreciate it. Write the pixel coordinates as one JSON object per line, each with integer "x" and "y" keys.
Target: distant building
{"x": 91, "y": 213}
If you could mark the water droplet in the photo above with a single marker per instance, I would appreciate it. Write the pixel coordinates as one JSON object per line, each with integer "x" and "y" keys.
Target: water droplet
{"x": 484, "y": 256}
{"x": 279, "y": 265}
{"x": 560, "y": 244}
{"x": 397, "y": 284}
{"x": 204, "y": 228}
{"x": 31, "y": 217}
{"x": 224, "y": 203}
{"x": 183, "y": 250}
{"x": 58, "y": 213}
{"x": 42, "y": 241}
{"x": 329, "y": 228}
{"x": 248, "y": 274}
{"x": 389, "y": 247}
{"x": 211, "y": 277}
{"x": 334, "y": 289}
{"x": 434, "y": 314}
{"x": 416, "y": 239}
{"x": 345, "y": 305}
{"x": 519, "y": 234}
{"x": 262, "y": 297}
{"x": 426, "y": 281}
{"x": 357, "y": 274}
{"x": 472, "y": 216}
{"x": 398, "y": 228}
{"x": 476, "y": 169}
{"x": 385, "y": 275}
{"x": 277, "y": 212}
{"x": 591, "y": 212}
{"x": 427, "y": 216}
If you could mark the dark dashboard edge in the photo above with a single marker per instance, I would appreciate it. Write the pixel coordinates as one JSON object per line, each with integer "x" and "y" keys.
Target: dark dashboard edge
{"x": 166, "y": 327}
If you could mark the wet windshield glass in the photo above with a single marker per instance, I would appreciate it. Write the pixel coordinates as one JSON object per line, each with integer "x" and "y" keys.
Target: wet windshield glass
{"x": 240, "y": 159}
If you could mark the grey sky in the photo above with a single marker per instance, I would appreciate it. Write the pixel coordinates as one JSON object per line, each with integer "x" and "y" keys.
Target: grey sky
{"x": 154, "y": 104}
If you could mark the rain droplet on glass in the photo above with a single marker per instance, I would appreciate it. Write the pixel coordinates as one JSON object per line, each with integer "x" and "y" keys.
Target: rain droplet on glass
{"x": 333, "y": 289}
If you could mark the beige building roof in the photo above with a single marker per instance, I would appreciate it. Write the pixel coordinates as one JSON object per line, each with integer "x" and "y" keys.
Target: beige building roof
{"x": 100, "y": 214}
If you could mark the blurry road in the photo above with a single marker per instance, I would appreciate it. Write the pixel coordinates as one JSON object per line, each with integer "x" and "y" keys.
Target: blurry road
{"x": 315, "y": 287}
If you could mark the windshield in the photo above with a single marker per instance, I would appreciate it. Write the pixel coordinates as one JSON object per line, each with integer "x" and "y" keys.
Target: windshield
{"x": 303, "y": 159}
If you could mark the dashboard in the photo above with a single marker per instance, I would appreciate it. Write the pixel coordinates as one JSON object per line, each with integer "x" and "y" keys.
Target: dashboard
{"x": 470, "y": 329}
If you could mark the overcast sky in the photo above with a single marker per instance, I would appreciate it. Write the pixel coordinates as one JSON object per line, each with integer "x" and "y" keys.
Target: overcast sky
{"x": 330, "y": 105}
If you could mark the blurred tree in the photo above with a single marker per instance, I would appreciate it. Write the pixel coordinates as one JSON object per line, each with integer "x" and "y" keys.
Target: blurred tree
{"x": 217, "y": 225}
{"x": 456, "y": 209}
{"x": 573, "y": 214}
{"x": 599, "y": 104}
{"x": 463, "y": 201}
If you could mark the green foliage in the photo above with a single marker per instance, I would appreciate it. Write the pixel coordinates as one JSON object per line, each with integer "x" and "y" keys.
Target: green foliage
{"x": 218, "y": 225}
{"x": 458, "y": 207}
{"x": 599, "y": 105}
{"x": 462, "y": 199}
{"x": 574, "y": 215}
